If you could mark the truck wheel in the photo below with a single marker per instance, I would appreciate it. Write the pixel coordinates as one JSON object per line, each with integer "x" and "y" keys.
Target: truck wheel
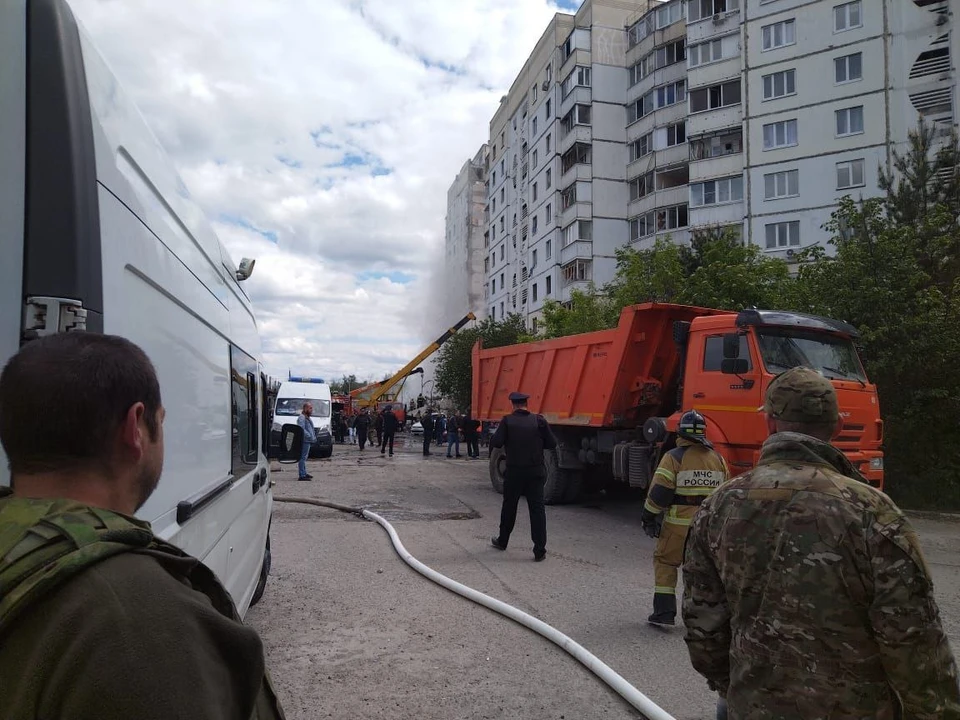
{"x": 574, "y": 485}
{"x": 264, "y": 574}
{"x": 555, "y": 486}
{"x": 326, "y": 452}
{"x": 498, "y": 469}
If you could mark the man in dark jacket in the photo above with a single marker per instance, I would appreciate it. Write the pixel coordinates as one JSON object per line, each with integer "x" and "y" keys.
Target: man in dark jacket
{"x": 362, "y": 425}
{"x": 427, "y": 424}
{"x": 378, "y": 426}
{"x": 453, "y": 434}
{"x": 99, "y": 618}
{"x": 389, "y": 422}
{"x": 470, "y": 435}
{"x": 524, "y": 437}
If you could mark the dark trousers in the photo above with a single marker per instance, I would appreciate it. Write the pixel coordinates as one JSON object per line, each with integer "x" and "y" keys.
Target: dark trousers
{"x": 387, "y": 438}
{"x": 473, "y": 446}
{"x": 379, "y": 437}
{"x": 426, "y": 443}
{"x": 530, "y": 484}
{"x": 362, "y": 438}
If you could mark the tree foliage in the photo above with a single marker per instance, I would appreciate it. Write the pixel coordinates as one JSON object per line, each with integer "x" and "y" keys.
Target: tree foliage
{"x": 893, "y": 271}
{"x": 454, "y": 372}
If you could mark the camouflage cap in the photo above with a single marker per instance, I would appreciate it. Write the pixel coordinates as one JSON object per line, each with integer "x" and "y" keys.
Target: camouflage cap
{"x": 802, "y": 395}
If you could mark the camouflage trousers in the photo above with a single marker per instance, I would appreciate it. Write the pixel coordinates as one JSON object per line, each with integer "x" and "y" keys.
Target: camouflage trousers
{"x": 668, "y": 557}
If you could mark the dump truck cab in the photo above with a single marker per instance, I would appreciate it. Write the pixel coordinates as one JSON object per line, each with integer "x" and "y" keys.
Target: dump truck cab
{"x": 731, "y": 359}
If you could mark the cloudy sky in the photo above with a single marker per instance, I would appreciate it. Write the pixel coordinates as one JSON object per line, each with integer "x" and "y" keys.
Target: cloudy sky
{"x": 321, "y": 136}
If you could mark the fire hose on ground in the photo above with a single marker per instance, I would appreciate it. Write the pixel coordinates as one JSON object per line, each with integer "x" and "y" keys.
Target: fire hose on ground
{"x": 628, "y": 692}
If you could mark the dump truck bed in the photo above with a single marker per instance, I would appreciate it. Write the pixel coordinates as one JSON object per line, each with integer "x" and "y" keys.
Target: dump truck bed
{"x": 611, "y": 378}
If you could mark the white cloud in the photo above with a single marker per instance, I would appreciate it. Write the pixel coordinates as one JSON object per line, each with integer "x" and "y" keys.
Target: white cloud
{"x": 333, "y": 126}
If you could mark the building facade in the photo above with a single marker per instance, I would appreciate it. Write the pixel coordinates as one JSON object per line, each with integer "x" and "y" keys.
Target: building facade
{"x": 464, "y": 251}
{"x": 634, "y": 121}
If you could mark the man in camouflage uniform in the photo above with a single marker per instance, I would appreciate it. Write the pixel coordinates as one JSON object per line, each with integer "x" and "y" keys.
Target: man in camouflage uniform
{"x": 100, "y": 619}
{"x": 686, "y": 475}
{"x": 805, "y": 591}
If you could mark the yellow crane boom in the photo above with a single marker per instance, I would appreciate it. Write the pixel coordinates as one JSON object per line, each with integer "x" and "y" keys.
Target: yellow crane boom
{"x": 378, "y": 390}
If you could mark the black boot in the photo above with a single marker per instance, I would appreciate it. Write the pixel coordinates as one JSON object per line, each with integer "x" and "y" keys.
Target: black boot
{"x": 664, "y": 610}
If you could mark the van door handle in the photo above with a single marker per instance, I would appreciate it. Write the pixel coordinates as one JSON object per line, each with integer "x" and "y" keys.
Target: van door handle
{"x": 259, "y": 479}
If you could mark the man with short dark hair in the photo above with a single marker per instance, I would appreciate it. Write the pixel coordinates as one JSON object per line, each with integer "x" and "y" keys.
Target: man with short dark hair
{"x": 427, "y": 425}
{"x": 805, "y": 591}
{"x": 524, "y": 437}
{"x": 98, "y": 617}
{"x": 390, "y": 424}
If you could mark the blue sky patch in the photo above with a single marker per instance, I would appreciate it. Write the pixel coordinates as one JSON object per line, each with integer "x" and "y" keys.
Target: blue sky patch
{"x": 289, "y": 162}
{"x": 569, "y": 5}
{"x": 394, "y": 276}
{"x": 247, "y": 225}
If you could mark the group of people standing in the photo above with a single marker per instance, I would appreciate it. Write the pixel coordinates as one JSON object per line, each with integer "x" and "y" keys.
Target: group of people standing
{"x": 436, "y": 427}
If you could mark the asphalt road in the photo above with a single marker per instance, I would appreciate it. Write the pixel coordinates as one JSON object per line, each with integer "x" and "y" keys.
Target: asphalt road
{"x": 351, "y": 632}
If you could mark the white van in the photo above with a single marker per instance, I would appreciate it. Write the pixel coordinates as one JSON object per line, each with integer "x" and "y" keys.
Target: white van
{"x": 291, "y": 397}
{"x": 99, "y": 234}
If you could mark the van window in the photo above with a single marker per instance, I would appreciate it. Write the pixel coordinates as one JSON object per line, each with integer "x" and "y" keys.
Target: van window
{"x": 246, "y": 412}
{"x": 713, "y": 352}
{"x": 293, "y": 406}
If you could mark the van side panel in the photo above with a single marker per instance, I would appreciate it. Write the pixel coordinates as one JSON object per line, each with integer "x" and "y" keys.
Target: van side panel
{"x": 13, "y": 112}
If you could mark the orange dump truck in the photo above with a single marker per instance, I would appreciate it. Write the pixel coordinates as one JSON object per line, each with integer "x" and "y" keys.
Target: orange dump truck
{"x": 613, "y": 397}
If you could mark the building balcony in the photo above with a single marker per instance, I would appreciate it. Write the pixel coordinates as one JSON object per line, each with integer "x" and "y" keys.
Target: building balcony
{"x": 580, "y": 171}
{"x": 715, "y": 72}
{"x": 576, "y": 211}
{"x": 580, "y": 95}
{"x": 712, "y": 215}
{"x": 718, "y": 24}
{"x": 579, "y": 133}
{"x": 577, "y": 57}
{"x": 713, "y": 120}
{"x": 641, "y": 165}
{"x": 721, "y": 166}
{"x": 673, "y": 156}
{"x": 579, "y": 250}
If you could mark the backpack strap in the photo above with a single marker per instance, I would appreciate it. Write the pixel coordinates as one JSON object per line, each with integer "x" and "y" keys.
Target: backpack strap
{"x": 45, "y": 543}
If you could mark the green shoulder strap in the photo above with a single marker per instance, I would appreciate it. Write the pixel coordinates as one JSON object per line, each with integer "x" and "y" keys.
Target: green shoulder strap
{"x": 44, "y": 543}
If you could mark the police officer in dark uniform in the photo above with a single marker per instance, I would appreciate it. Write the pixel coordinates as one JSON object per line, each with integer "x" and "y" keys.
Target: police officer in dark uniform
{"x": 524, "y": 437}
{"x": 427, "y": 424}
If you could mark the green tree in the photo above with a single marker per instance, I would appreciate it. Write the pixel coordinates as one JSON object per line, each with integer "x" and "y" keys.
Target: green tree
{"x": 454, "y": 364}
{"x": 345, "y": 384}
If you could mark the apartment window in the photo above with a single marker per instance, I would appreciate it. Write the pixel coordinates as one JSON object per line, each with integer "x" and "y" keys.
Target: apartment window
{"x": 850, "y": 121}
{"x": 577, "y": 230}
{"x": 578, "y": 77}
{"x": 494, "y": 177}
{"x": 578, "y": 115}
{"x": 502, "y": 194}
{"x": 548, "y": 290}
{"x": 701, "y": 9}
{"x": 780, "y": 134}
{"x": 779, "y": 84}
{"x": 549, "y": 142}
{"x": 502, "y": 283}
{"x": 671, "y": 94}
{"x": 514, "y": 280}
{"x": 502, "y": 312}
{"x": 494, "y": 232}
{"x": 547, "y": 113}
{"x": 534, "y": 126}
{"x": 661, "y": 220}
{"x": 580, "y": 153}
{"x": 850, "y": 174}
{"x": 536, "y": 156}
{"x": 716, "y": 192}
{"x": 503, "y": 220}
{"x": 642, "y": 186}
{"x": 669, "y": 14}
{"x": 501, "y": 252}
{"x": 535, "y": 192}
{"x": 704, "y": 53}
{"x": 714, "y": 97}
{"x": 847, "y": 16}
{"x": 534, "y": 293}
{"x": 783, "y": 234}
{"x": 533, "y": 259}
{"x": 669, "y": 54}
{"x": 548, "y": 179}
{"x": 568, "y": 197}
{"x": 502, "y": 166}
{"x": 781, "y": 184}
{"x": 641, "y": 146}
{"x": 494, "y": 284}
{"x": 548, "y": 214}
{"x": 640, "y": 70}
{"x": 548, "y": 251}
{"x": 848, "y": 68}
{"x": 779, "y": 34}
{"x": 486, "y": 265}
{"x": 493, "y": 312}
{"x": 533, "y": 93}
{"x": 533, "y": 227}
{"x": 676, "y": 134}
{"x": 494, "y": 206}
